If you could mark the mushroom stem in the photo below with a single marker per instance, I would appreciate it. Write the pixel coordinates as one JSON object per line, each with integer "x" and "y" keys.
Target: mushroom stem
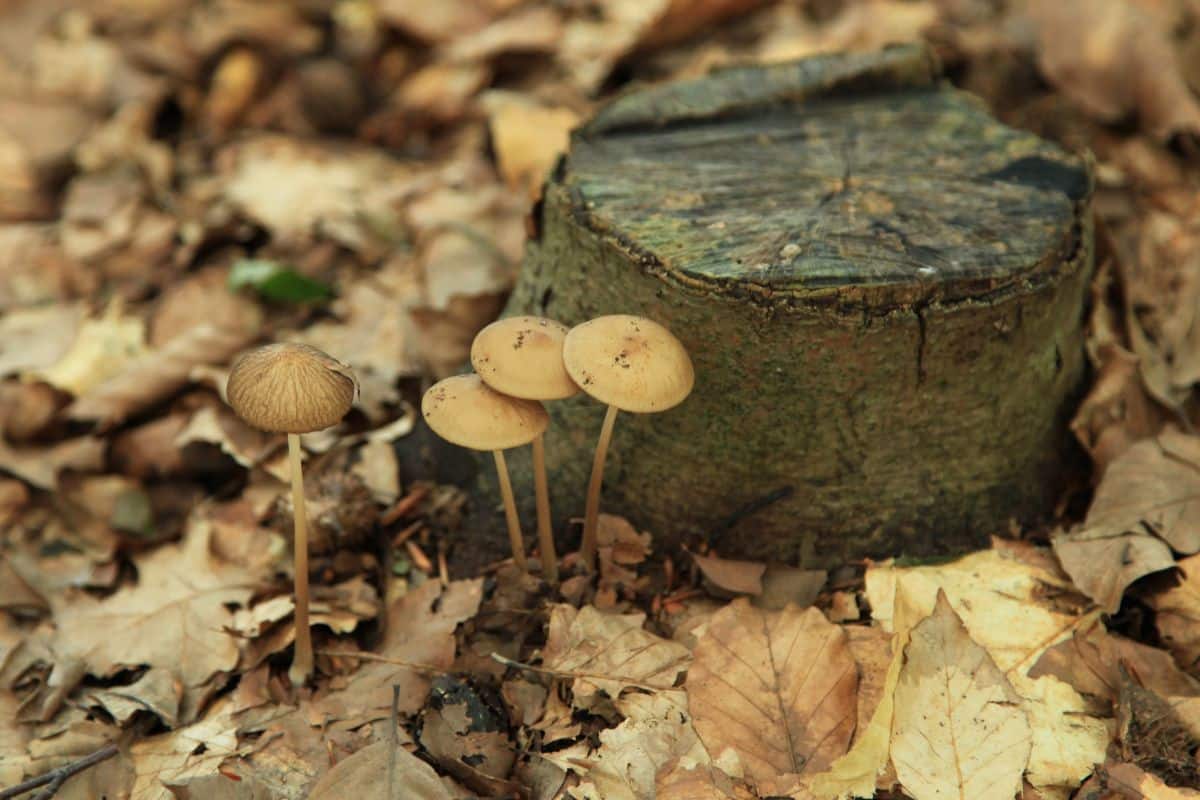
{"x": 587, "y": 548}
{"x": 510, "y": 512}
{"x": 302, "y": 659}
{"x": 542, "y": 493}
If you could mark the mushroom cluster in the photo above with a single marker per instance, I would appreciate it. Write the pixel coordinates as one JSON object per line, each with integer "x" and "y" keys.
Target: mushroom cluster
{"x": 627, "y": 362}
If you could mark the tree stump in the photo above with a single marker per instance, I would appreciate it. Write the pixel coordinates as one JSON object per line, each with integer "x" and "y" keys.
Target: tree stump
{"x": 882, "y": 288}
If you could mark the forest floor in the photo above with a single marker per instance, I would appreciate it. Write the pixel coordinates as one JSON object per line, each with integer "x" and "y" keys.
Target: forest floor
{"x": 183, "y": 179}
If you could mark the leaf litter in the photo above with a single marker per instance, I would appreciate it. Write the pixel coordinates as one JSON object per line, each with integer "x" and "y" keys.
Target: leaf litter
{"x": 182, "y": 180}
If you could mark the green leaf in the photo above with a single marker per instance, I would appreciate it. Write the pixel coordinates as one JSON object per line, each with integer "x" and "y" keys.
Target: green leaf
{"x": 273, "y": 281}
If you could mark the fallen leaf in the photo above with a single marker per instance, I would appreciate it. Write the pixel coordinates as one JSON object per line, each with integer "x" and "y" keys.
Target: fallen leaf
{"x": 365, "y": 775}
{"x": 33, "y": 339}
{"x": 609, "y": 652}
{"x": 1133, "y": 783}
{"x": 1121, "y": 62}
{"x": 1154, "y": 486}
{"x": 527, "y": 137}
{"x": 104, "y": 347}
{"x": 173, "y": 618}
{"x": 160, "y": 373}
{"x": 777, "y": 687}
{"x": 1091, "y": 661}
{"x": 1117, "y": 412}
{"x": 1067, "y": 741}
{"x": 782, "y": 585}
{"x": 738, "y": 577}
{"x": 1103, "y": 565}
{"x": 959, "y": 730}
{"x": 1177, "y": 615}
{"x": 40, "y": 465}
{"x": 195, "y": 751}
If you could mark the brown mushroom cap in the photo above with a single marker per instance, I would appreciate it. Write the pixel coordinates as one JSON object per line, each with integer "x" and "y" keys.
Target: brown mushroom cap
{"x": 290, "y": 388}
{"x": 629, "y": 362}
{"x": 463, "y": 410}
{"x": 522, "y": 357}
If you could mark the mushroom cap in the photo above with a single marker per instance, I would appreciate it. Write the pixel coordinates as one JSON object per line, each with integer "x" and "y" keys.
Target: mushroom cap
{"x": 629, "y": 362}
{"x": 465, "y": 411}
{"x": 290, "y": 388}
{"x": 522, "y": 357}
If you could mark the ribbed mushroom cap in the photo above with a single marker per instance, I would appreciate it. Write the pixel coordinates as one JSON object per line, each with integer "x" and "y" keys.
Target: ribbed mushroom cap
{"x": 629, "y": 362}
{"x": 522, "y": 357}
{"x": 464, "y": 411}
{"x": 290, "y": 388}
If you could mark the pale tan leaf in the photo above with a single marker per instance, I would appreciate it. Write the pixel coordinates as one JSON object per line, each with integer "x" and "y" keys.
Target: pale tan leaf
{"x": 739, "y": 577}
{"x": 364, "y": 776}
{"x": 1007, "y": 604}
{"x": 195, "y": 751}
{"x": 527, "y": 138}
{"x": 609, "y": 652}
{"x": 40, "y": 465}
{"x": 777, "y": 687}
{"x": 1153, "y": 487}
{"x": 174, "y": 617}
{"x": 1133, "y": 783}
{"x": 959, "y": 729}
{"x": 156, "y": 375}
{"x": 103, "y": 348}
{"x": 1067, "y": 741}
{"x": 1103, "y": 566}
{"x": 36, "y": 338}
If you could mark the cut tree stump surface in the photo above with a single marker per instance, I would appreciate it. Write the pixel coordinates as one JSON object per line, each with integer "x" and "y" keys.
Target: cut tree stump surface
{"x": 881, "y": 285}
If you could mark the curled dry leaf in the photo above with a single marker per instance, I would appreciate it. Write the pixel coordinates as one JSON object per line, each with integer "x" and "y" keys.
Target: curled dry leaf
{"x": 1103, "y": 566}
{"x": 739, "y": 577}
{"x": 608, "y": 652}
{"x": 959, "y": 729}
{"x": 174, "y": 617}
{"x": 159, "y": 374}
{"x": 1177, "y": 615}
{"x": 1130, "y": 782}
{"x": 195, "y": 751}
{"x": 1117, "y": 412}
{"x": 778, "y": 688}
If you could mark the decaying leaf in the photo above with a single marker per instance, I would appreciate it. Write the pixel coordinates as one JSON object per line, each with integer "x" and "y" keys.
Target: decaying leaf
{"x": 738, "y": 577}
{"x": 174, "y": 617}
{"x": 1177, "y": 615}
{"x": 608, "y": 652}
{"x": 365, "y": 775}
{"x": 777, "y": 687}
{"x": 960, "y": 729}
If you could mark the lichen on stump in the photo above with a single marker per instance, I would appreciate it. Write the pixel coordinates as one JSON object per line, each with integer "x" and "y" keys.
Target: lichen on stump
{"x": 882, "y": 288}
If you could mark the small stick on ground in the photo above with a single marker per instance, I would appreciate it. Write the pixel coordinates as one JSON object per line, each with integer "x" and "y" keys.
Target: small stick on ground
{"x": 55, "y": 778}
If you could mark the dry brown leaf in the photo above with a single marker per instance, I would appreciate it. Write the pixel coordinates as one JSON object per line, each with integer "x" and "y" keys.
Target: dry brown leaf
{"x": 40, "y": 465}
{"x": 1154, "y": 486}
{"x": 104, "y": 347}
{"x": 656, "y": 731}
{"x": 959, "y": 729}
{"x": 1117, "y": 412}
{"x": 198, "y": 300}
{"x": 160, "y": 373}
{"x": 1177, "y": 615}
{"x": 1092, "y": 659}
{"x": 1103, "y": 566}
{"x": 527, "y": 137}
{"x": 365, "y": 775}
{"x": 36, "y": 141}
{"x": 532, "y": 29}
{"x": 37, "y": 338}
{"x": 173, "y": 618}
{"x": 779, "y": 688}
{"x": 1120, "y": 62}
{"x": 195, "y": 751}
{"x": 739, "y": 577}
{"x": 1132, "y": 783}
{"x": 609, "y": 652}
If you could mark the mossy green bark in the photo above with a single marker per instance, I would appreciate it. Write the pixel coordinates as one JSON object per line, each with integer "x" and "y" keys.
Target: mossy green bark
{"x": 882, "y": 289}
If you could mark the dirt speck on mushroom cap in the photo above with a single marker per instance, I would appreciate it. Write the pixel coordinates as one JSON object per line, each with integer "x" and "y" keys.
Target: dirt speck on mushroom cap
{"x": 290, "y": 388}
{"x": 465, "y": 411}
{"x": 630, "y": 362}
{"x": 522, "y": 357}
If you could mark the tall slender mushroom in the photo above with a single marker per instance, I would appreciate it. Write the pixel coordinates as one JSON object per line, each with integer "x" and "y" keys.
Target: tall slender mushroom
{"x": 293, "y": 389}
{"x": 522, "y": 357}
{"x": 632, "y": 364}
{"x": 464, "y": 411}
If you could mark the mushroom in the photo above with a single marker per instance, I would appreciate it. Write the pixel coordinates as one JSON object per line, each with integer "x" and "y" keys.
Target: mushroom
{"x": 632, "y": 364}
{"x": 522, "y": 357}
{"x": 293, "y": 389}
{"x": 464, "y": 411}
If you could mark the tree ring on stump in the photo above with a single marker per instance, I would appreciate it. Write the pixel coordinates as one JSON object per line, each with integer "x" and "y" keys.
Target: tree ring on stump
{"x": 882, "y": 288}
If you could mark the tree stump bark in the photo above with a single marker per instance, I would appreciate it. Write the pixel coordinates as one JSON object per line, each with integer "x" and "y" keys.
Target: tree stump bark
{"x": 882, "y": 288}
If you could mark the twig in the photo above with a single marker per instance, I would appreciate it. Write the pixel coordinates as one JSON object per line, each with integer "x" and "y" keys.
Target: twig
{"x": 385, "y": 659}
{"x": 55, "y": 778}
{"x": 394, "y": 737}
{"x": 554, "y": 673}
